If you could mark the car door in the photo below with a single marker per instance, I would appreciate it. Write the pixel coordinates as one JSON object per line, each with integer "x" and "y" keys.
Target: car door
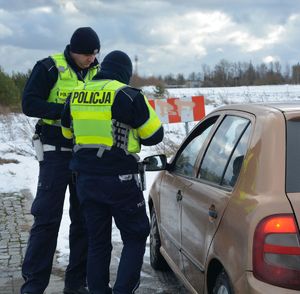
{"x": 170, "y": 210}
{"x": 204, "y": 199}
{"x": 173, "y": 183}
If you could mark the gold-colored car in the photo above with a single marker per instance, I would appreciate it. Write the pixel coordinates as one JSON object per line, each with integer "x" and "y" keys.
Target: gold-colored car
{"x": 225, "y": 212}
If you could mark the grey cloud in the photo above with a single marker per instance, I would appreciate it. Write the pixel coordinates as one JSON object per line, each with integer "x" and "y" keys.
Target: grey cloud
{"x": 19, "y": 5}
{"x": 160, "y": 32}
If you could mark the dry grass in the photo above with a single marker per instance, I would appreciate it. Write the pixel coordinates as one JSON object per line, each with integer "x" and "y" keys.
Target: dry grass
{"x": 6, "y": 161}
{"x": 5, "y": 110}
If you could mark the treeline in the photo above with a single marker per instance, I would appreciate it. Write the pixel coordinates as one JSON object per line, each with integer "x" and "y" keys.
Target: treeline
{"x": 229, "y": 74}
{"x": 223, "y": 74}
{"x": 11, "y": 88}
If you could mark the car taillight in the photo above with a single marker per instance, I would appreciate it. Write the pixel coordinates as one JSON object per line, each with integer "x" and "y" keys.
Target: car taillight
{"x": 276, "y": 251}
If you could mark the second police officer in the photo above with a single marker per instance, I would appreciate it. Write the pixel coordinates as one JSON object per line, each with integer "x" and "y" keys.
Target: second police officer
{"x": 110, "y": 121}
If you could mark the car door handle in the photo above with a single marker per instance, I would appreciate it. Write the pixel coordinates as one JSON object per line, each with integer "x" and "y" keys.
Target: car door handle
{"x": 212, "y": 212}
{"x": 178, "y": 196}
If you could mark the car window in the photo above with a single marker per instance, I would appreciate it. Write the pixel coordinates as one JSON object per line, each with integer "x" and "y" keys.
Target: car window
{"x": 235, "y": 164}
{"x": 293, "y": 157}
{"x": 221, "y": 149}
{"x": 184, "y": 163}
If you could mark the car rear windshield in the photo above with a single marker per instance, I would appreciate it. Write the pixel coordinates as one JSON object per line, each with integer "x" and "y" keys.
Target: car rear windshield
{"x": 293, "y": 156}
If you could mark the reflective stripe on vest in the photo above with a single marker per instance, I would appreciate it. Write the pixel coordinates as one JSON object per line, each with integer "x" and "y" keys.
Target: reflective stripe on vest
{"x": 66, "y": 81}
{"x": 151, "y": 125}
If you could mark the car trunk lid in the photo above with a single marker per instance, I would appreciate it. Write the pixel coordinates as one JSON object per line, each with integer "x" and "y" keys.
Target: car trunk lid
{"x": 294, "y": 199}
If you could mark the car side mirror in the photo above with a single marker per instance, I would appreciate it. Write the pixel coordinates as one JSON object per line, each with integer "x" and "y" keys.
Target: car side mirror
{"x": 155, "y": 162}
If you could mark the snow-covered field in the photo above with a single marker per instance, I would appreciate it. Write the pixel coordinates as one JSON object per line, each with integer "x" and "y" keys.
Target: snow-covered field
{"x": 244, "y": 94}
{"x": 16, "y": 132}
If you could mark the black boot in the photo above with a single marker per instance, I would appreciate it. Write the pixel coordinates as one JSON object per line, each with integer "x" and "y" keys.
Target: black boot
{"x": 81, "y": 290}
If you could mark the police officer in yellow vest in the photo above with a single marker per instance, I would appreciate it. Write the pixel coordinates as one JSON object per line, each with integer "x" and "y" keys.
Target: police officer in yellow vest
{"x": 110, "y": 121}
{"x": 44, "y": 95}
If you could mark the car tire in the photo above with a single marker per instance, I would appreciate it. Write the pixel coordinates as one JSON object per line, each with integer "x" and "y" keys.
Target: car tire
{"x": 222, "y": 284}
{"x": 157, "y": 261}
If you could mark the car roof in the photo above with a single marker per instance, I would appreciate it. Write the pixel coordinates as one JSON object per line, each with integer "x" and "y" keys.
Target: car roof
{"x": 282, "y": 106}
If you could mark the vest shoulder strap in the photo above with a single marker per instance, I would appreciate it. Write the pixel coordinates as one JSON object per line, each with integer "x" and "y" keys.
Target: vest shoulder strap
{"x": 48, "y": 63}
{"x": 62, "y": 66}
{"x": 131, "y": 92}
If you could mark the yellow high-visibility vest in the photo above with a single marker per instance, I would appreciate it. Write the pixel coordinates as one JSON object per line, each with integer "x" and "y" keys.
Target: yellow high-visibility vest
{"x": 67, "y": 80}
{"x": 92, "y": 118}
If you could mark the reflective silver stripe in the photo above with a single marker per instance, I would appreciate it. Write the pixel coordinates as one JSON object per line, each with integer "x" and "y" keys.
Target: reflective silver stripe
{"x": 120, "y": 134}
{"x": 136, "y": 286}
{"x": 125, "y": 178}
{"x": 93, "y": 146}
{"x": 56, "y": 124}
{"x": 137, "y": 180}
{"x": 80, "y": 146}
{"x": 47, "y": 147}
{"x": 101, "y": 148}
{"x": 65, "y": 149}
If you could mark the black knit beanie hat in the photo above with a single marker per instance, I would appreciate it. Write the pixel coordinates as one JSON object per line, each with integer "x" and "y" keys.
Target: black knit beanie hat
{"x": 117, "y": 65}
{"x": 85, "y": 41}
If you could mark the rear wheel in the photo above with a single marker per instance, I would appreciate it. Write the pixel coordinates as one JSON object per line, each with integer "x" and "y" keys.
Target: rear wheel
{"x": 156, "y": 259}
{"x": 222, "y": 285}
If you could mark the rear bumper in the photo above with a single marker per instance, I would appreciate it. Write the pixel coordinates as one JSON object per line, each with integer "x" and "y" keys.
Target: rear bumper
{"x": 254, "y": 286}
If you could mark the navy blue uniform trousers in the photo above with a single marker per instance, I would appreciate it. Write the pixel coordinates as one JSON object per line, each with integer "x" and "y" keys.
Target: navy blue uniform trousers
{"x": 47, "y": 209}
{"x": 104, "y": 197}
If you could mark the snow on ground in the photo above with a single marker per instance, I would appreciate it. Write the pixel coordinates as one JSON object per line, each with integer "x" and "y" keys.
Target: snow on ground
{"x": 22, "y": 171}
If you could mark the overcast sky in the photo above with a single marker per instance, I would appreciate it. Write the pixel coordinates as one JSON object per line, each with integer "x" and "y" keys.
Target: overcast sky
{"x": 166, "y": 36}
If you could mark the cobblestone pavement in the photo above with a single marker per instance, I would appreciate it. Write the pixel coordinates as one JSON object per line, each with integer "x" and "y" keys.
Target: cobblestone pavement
{"x": 15, "y": 223}
{"x": 13, "y": 239}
